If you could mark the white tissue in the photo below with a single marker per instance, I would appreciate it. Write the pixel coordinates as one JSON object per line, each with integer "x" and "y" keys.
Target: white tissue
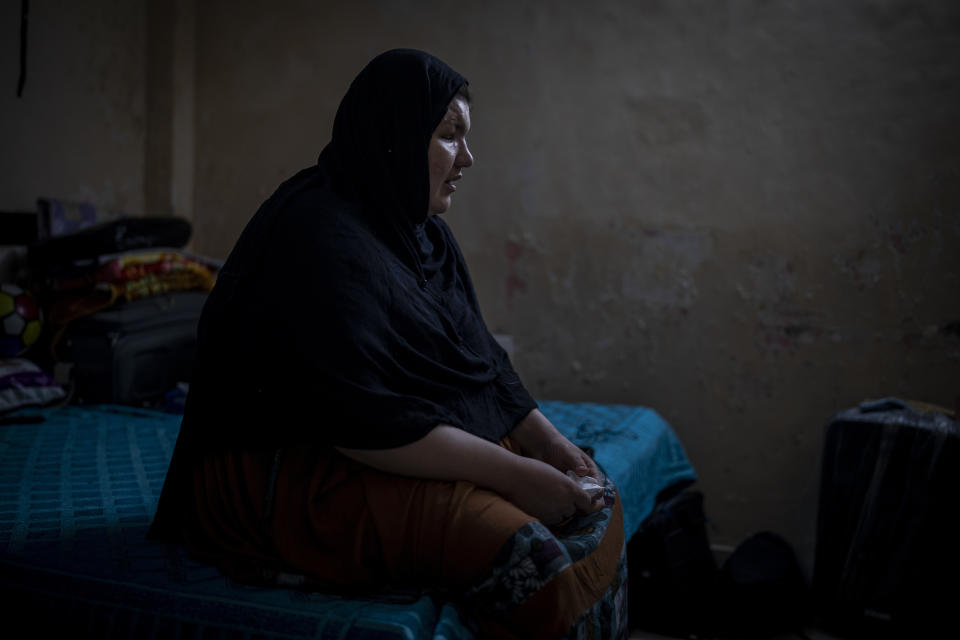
{"x": 588, "y": 484}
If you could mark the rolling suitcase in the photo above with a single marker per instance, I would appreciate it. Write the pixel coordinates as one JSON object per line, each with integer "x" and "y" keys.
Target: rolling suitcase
{"x": 887, "y": 556}
{"x": 135, "y": 352}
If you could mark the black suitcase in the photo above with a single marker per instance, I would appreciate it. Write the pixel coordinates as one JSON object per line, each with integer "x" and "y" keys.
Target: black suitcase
{"x": 888, "y": 542}
{"x": 135, "y": 352}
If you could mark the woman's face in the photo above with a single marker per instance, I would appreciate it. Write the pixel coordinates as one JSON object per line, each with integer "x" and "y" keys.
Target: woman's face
{"x": 448, "y": 154}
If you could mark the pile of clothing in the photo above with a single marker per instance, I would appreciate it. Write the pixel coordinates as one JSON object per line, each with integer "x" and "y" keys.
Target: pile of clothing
{"x": 86, "y": 286}
{"x": 103, "y": 277}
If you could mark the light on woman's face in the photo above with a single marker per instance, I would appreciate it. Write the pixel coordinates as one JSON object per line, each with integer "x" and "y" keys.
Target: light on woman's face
{"x": 448, "y": 154}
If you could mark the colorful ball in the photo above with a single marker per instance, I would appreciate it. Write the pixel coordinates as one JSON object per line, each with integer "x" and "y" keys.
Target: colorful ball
{"x": 21, "y": 320}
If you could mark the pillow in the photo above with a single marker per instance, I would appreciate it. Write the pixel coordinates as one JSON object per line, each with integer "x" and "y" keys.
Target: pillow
{"x": 24, "y": 384}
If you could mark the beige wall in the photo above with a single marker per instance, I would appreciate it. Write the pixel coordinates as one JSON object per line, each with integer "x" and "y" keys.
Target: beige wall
{"x": 78, "y": 132}
{"x": 745, "y": 215}
{"x": 106, "y": 114}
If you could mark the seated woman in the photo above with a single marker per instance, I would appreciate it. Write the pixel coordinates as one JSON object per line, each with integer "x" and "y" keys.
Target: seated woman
{"x": 352, "y": 425}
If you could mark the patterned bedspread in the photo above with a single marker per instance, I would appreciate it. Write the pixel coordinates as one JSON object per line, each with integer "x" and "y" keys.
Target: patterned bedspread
{"x": 78, "y": 490}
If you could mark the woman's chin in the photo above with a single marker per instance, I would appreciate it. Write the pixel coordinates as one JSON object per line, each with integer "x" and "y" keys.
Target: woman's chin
{"x": 439, "y": 206}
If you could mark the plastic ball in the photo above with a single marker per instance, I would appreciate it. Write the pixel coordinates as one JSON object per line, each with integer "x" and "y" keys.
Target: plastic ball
{"x": 21, "y": 320}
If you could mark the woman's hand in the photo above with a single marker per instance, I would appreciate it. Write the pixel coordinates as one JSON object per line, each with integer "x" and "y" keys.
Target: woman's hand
{"x": 563, "y": 455}
{"x": 539, "y": 439}
{"x": 546, "y": 493}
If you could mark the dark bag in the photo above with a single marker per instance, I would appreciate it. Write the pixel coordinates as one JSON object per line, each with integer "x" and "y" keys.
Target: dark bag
{"x": 672, "y": 570}
{"x": 762, "y": 591}
{"x": 135, "y": 352}
{"x": 117, "y": 236}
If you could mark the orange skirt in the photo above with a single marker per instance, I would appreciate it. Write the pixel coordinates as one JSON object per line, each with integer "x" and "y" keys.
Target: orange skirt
{"x": 312, "y": 518}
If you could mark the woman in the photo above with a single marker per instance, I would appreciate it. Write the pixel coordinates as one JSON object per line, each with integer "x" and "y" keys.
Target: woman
{"x": 351, "y": 422}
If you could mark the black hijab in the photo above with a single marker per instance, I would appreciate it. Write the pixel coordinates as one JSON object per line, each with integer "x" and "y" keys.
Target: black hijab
{"x": 345, "y": 315}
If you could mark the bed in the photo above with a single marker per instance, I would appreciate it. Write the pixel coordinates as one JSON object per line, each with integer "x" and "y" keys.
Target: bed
{"x": 79, "y": 485}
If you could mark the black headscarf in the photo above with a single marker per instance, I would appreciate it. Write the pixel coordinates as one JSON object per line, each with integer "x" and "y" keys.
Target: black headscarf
{"x": 345, "y": 314}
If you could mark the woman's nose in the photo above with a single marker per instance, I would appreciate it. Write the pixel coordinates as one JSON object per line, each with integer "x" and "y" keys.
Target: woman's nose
{"x": 464, "y": 158}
